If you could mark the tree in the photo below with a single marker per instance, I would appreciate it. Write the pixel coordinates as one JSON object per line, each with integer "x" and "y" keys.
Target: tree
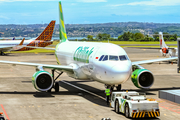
{"x": 171, "y": 39}
{"x": 99, "y": 36}
{"x": 105, "y": 36}
{"x": 120, "y": 38}
{"x": 156, "y": 36}
{"x": 175, "y": 37}
{"x": 139, "y": 36}
{"x": 90, "y": 37}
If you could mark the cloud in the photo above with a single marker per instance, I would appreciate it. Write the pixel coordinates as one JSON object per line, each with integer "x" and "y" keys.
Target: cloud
{"x": 153, "y": 3}
{"x": 91, "y": 1}
{"x": 4, "y": 17}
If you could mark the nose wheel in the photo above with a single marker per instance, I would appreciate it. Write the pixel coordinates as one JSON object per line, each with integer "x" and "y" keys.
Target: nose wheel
{"x": 109, "y": 86}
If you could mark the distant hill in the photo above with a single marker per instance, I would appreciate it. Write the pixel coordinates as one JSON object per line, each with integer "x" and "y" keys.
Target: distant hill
{"x": 82, "y": 30}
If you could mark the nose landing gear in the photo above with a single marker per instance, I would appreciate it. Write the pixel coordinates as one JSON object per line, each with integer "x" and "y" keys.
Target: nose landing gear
{"x": 118, "y": 88}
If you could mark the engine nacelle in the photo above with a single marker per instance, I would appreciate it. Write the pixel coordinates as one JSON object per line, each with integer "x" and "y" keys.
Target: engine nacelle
{"x": 165, "y": 50}
{"x": 142, "y": 78}
{"x": 42, "y": 80}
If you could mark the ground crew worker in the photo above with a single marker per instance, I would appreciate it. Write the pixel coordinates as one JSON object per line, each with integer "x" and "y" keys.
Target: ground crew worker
{"x": 108, "y": 93}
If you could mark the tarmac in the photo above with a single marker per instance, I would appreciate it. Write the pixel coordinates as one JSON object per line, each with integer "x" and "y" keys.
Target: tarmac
{"x": 19, "y": 100}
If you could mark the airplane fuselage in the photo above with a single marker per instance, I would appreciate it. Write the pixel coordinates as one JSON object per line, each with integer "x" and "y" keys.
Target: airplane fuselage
{"x": 103, "y": 62}
{"x": 15, "y": 43}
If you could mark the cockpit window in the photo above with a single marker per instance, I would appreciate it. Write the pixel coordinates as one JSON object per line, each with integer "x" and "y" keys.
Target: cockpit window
{"x": 122, "y": 57}
{"x": 101, "y": 57}
{"x": 113, "y": 58}
{"x": 105, "y": 58}
{"x": 127, "y": 57}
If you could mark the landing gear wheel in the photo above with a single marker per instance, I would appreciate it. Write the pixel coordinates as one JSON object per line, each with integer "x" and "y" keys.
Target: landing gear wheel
{"x": 116, "y": 106}
{"x": 56, "y": 87}
{"x": 118, "y": 87}
{"x": 126, "y": 112}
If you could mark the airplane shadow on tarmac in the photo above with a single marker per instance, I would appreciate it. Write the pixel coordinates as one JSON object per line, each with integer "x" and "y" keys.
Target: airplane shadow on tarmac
{"x": 74, "y": 91}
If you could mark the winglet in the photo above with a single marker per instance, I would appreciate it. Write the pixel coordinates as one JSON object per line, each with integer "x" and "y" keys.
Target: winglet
{"x": 62, "y": 30}
{"x": 161, "y": 40}
{"x": 46, "y": 35}
{"x": 21, "y": 43}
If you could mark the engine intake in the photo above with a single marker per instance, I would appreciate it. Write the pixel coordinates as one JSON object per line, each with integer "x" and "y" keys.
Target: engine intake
{"x": 142, "y": 78}
{"x": 42, "y": 80}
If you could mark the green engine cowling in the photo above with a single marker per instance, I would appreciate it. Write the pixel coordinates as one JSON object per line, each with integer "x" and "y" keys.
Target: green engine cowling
{"x": 142, "y": 78}
{"x": 42, "y": 80}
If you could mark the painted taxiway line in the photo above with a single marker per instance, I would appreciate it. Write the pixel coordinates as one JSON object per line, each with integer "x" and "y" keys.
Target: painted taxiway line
{"x": 83, "y": 89}
{"x": 5, "y": 112}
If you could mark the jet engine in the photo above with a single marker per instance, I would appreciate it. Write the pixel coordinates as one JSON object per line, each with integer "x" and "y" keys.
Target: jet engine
{"x": 165, "y": 50}
{"x": 142, "y": 78}
{"x": 42, "y": 80}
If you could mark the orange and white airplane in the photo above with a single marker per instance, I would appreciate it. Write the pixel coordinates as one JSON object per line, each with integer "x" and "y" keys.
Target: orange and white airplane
{"x": 165, "y": 50}
{"x": 43, "y": 40}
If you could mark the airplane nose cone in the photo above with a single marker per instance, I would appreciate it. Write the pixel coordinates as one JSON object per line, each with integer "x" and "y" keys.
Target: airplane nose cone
{"x": 122, "y": 71}
{"x": 122, "y": 68}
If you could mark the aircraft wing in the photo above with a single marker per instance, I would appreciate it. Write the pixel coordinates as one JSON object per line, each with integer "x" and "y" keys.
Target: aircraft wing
{"x": 149, "y": 47}
{"x": 5, "y": 48}
{"x": 46, "y": 48}
{"x": 9, "y": 48}
{"x": 154, "y": 60}
{"x": 57, "y": 67}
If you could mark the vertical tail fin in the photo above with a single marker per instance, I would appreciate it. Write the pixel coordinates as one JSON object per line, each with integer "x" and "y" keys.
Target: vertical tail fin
{"x": 161, "y": 40}
{"x": 46, "y": 35}
{"x": 21, "y": 43}
{"x": 62, "y": 30}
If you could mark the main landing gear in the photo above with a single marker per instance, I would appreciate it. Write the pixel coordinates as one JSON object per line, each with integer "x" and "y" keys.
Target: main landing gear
{"x": 56, "y": 83}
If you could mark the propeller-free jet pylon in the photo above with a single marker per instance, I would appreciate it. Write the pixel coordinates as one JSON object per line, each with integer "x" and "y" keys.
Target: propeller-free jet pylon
{"x": 102, "y": 62}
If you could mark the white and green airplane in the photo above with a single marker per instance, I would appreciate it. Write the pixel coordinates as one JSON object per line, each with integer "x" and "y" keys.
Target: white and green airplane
{"x": 102, "y": 62}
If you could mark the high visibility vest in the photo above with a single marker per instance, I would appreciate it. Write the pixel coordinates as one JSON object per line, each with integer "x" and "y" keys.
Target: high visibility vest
{"x": 107, "y": 92}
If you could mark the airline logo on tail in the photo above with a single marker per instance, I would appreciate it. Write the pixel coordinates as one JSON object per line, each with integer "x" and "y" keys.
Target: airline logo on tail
{"x": 62, "y": 30}
{"x": 161, "y": 40}
{"x": 46, "y": 35}
{"x": 163, "y": 45}
{"x": 43, "y": 39}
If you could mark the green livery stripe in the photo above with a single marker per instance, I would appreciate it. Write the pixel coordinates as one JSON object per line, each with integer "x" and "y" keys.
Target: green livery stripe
{"x": 62, "y": 23}
{"x": 62, "y": 30}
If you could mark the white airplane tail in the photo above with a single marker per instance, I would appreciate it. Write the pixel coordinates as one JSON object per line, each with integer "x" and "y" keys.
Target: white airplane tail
{"x": 161, "y": 40}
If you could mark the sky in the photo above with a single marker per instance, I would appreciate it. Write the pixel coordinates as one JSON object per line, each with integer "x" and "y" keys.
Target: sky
{"x": 89, "y": 11}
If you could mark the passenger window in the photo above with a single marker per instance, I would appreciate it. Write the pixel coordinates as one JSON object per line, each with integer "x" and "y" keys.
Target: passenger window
{"x": 101, "y": 57}
{"x": 113, "y": 58}
{"x": 105, "y": 58}
{"x": 123, "y": 57}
